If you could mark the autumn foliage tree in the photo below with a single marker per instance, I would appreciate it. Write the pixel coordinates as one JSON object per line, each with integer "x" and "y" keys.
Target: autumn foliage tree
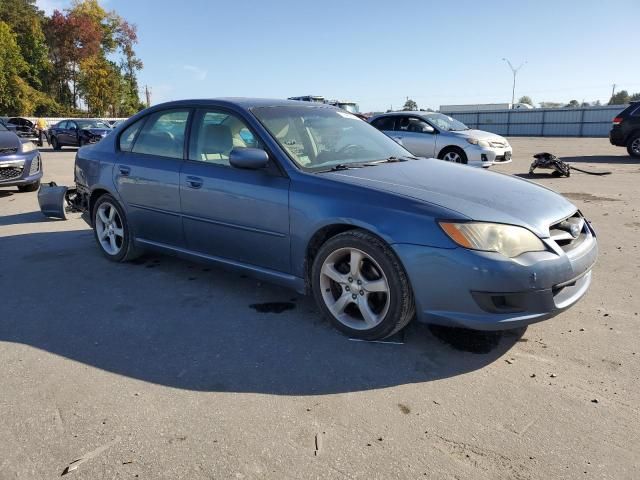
{"x": 81, "y": 58}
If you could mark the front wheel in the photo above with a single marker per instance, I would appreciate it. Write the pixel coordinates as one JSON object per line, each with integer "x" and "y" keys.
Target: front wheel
{"x": 55, "y": 144}
{"x": 111, "y": 230}
{"x": 31, "y": 187}
{"x": 633, "y": 145}
{"x": 360, "y": 285}
{"x": 454, "y": 155}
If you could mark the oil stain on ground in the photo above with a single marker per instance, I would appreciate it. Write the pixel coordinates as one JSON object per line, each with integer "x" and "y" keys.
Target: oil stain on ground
{"x": 587, "y": 197}
{"x": 272, "y": 307}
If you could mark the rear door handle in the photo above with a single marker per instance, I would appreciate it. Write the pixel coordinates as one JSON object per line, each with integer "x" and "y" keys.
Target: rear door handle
{"x": 194, "y": 182}
{"x": 124, "y": 170}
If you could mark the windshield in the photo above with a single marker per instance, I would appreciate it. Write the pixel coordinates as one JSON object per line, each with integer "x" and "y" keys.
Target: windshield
{"x": 92, "y": 124}
{"x": 317, "y": 138}
{"x": 443, "y": 122}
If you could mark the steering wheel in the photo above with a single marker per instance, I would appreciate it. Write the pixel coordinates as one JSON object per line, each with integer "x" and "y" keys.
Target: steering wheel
{"x": 350, "y": 147}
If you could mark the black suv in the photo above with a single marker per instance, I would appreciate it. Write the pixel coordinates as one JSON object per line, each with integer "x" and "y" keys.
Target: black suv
{"x": 626, "y": 129}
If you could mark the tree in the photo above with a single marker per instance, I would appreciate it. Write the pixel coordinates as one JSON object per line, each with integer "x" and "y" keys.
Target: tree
{"x": 12, "y": 66}
{"x": 526, "y": 99}
{"x": 410, "y": 105}
{"x": 635, "y": 97}
{"x": 26, "y": 21}
{"x": 573, "y": 104}
{"x": 619, "y": 98}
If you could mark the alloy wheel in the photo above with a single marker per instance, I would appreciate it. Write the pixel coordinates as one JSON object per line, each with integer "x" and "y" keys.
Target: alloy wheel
{"x": 109, "y": 228}
{"x": 355, "y": 289}
{"x": 452, "y": 157}
{"x": 635, "y": 146}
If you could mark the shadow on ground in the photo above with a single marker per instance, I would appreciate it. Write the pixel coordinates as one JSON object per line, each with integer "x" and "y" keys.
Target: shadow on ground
{"x": 24, "y": 218}
{"x": 191, "y": 326}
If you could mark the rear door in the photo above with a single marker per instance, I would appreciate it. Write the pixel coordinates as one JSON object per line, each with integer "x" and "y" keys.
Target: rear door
{"x": 416, "y": 135}
{"x": 147, "y": 175}
{"x": 235, "y": 214}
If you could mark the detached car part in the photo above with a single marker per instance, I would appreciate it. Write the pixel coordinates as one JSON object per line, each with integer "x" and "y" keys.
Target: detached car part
{"x": 56, "y": 201}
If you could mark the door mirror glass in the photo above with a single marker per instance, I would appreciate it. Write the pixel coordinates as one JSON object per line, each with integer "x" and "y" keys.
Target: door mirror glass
{"x": 427, "y": 129}
{"x": 248, "y": 158}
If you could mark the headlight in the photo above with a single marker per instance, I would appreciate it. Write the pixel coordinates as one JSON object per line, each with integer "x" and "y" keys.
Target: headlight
{"x": 28, "y": 147}
{"x": 480, "y": 143}
{"x": 509, "y": 240}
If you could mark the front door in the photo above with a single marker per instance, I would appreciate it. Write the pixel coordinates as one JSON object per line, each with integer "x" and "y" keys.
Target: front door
{"x": 147, "y": 175}
{"x": 234, "y": 214}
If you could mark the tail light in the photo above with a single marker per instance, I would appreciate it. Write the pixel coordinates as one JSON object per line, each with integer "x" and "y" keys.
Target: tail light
{"x": 617, "y": 120}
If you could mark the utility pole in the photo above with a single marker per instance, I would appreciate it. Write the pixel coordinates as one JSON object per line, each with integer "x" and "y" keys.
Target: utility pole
{"x": 147, "y": 94}
{"x": 515, "y": 72}
{"x": 613, "y": 90}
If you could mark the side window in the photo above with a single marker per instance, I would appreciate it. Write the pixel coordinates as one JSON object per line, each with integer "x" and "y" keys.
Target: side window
{"x": 163, "y": 134}
{"x": 403, "y": 124}
{"x": 62, "y": 125}
{"x": 72, "y": 125}
{"x": 418, "y": 126}
{"x": 214, "y": 134}
{"x": 384, "y": 123}
{"x": 129, "y": 135}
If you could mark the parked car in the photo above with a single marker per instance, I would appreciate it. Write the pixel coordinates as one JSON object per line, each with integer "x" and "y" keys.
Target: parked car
{"x": 435, "y": 135}
{"x": 77, "y": 133}
{"x": 310, "y": 197}
{"x": 625, "y": 131}
{"x": 20, "y": 162}
{"x": 23, "y": 127}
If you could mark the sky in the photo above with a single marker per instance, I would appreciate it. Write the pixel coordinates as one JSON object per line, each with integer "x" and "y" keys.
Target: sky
{"x": 378, "y": 53}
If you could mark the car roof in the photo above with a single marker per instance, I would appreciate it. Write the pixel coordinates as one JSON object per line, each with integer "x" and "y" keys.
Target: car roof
{"x": 243, "y": 102}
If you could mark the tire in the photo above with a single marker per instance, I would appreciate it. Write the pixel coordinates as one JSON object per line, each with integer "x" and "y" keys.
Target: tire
{"x": 343, "y": 294}
{"x": 55, "y": 144}
{"x": 633, "y": 145}
{"x": 453, "y": 154}
{"x": 107, "y": 224}
{"x": 31, "y": 187}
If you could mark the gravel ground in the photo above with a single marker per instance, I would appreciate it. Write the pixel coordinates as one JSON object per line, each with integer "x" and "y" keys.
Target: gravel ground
{"x": 162, "y": 369}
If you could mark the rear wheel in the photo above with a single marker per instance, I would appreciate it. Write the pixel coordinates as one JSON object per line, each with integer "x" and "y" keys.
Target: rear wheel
{"x": 453, "y": 154}
{"x": 360, "y": 285}
{"x": 31, "y": 187}
{"x": 111, "y": 230}
{"x": 633, "y": 145}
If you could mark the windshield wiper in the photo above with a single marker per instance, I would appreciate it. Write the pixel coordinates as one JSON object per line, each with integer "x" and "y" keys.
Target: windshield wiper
{"x": 390, "y": 160}
{"x": 342, "y": 166}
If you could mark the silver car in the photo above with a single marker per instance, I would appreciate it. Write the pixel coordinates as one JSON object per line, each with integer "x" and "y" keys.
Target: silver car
{"x": 435, "y": 135}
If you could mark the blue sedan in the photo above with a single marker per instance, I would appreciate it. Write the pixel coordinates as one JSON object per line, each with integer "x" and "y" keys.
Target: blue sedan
{"x": 313, "y": 198}
{"x": 20, "y": 162}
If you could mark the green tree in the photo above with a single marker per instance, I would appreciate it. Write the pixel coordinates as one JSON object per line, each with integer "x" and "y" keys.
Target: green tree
{"x": 635, "y": 97}
{"x": 526, "y": 99}
{"x": 619, "y": 98}
{"x": 573, "y": 104}
{"x": 550, "y": 105}
{"x": 12, "y": 66}
{"x": 410, "y": 105}
{"x": 26, "y": 21}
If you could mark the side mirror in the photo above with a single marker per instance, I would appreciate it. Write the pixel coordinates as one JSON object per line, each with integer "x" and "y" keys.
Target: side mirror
{"x": 248, "y": 158}
{"x": 428, "y": 129}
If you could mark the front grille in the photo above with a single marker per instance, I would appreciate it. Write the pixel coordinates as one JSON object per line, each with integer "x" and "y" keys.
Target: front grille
{"x": 570, "y": 232}
{"x": 9, "y": 173}
{"x": 8, "y": 151}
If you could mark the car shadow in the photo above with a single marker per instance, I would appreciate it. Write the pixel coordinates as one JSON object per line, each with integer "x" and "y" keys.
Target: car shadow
{"x": 8, "y": 193}
{"x": 190, "y": 326}
{"x": 613, "y": 159}
{"x": 24, "y": 218}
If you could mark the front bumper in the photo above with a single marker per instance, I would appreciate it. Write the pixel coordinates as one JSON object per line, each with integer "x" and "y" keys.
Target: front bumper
{"x": 20, "y": 169}
{"x": 488, "y": 291}
{"x": 487, "y": 156}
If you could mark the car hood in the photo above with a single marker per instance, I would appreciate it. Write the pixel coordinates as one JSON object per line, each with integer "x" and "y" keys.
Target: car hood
{"x": 97, "y": 131}
{"x": 474, "y": 193}
{"x": 9, "y": 140}
{"x": 479, "y": 134}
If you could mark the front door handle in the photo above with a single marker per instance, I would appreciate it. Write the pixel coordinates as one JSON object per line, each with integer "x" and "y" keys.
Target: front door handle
{"x": 194, "y": 182}
{"x": 124, "y": 170}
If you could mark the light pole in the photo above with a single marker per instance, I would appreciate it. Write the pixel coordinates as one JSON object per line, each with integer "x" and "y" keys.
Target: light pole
{"x": 514, "y": 71}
